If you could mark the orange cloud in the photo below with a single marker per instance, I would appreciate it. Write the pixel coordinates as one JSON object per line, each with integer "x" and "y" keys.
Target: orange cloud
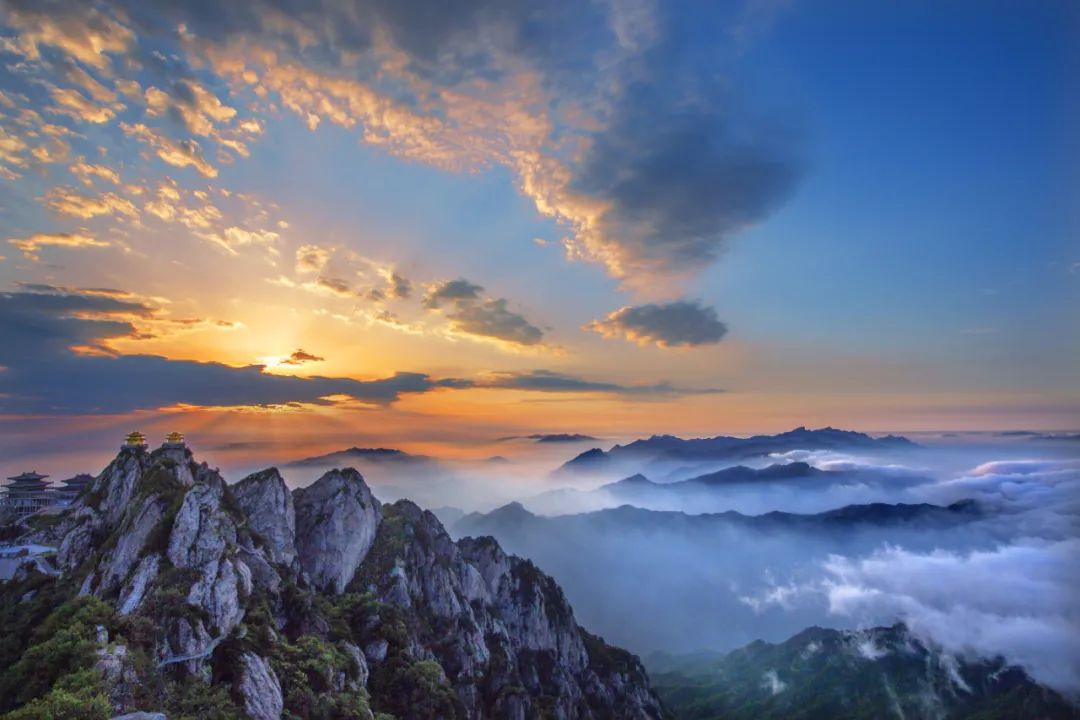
{"x": 31, "y": 244}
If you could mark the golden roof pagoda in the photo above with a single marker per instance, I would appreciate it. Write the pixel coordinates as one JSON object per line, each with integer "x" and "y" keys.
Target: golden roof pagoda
{"x": 135, "y": 439}
{"x": 174, "y": 438}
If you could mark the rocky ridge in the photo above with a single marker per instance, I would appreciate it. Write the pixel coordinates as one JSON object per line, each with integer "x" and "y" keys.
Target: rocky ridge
{"x": 255, "y": 601}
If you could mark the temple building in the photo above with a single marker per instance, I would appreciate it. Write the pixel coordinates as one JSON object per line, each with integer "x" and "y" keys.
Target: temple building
{"x": 174, "y": 440}
{"x": 27, "y": 493}
{"x": 135, "y": 440}
{"x": 73, "y": 487}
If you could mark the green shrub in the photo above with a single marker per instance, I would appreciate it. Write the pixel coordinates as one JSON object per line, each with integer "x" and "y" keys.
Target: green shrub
{"x": 64, "y": 643}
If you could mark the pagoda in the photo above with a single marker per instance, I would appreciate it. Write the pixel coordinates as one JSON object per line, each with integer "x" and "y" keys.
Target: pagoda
{"x": 174, "y": 440}
{"x": 27, "y": 493}
{"x": 135, "y": 440}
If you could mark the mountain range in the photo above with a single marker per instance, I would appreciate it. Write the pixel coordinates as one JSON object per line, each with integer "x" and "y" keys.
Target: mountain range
{"x": 650, "y": 579}
{"x": 672, "y": 450}
{"x": 850, "y": 675}
{"x": 359, "y": 455}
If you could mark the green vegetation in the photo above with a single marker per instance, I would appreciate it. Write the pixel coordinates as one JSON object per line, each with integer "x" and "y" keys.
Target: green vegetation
{"x": 77, "y": 696}
{"x": 55, "y": 667}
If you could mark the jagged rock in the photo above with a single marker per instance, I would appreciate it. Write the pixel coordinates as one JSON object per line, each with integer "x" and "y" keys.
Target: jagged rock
{"x": 77, "y": 543}
{"x": 336, "y": 521}
{"x": 118, "y": 676}
{"x": 132, "y": 538}
{"x": 359, "y": 662}
{"x": 224, "y": 571}
{"x": 504, "y": 625}
{"x": 115, "y": 487}
{"x": 268, "y": 505}
{"x": 375, "y": 651}
{"x": 135, "y": 589}
{"x": 202, "y": 529}
{"x": 260, "y": 689}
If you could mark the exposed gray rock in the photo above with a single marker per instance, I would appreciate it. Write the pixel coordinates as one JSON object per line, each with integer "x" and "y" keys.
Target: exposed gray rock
{"x": 375, "y": 651}
{"x": 501, "y": 632}
{"x": 360, "y": 663}
{"x": 135, "y": 589}
{"x": 115, "y": 487}
{"x": 260, "y": 689}
{"x": 118, "y": 676}
{"x": 512, "y": 627}
{"x": 203, "y": 530}
{"x": 141, "y": 716}
{"x": 336, "y": 521}
{"x": 268, "y": 505}
{"x": 132, "y": 537}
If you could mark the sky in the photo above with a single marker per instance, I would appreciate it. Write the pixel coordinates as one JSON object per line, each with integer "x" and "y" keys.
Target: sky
{"x": 283, "y": 228}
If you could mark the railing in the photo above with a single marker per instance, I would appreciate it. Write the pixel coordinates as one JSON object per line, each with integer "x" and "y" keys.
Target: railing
{"x": 193, "y": 656}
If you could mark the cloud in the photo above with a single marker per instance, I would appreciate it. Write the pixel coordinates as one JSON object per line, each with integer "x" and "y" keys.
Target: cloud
{"x": 486, "y": 319}
{"x": 75, "y": 105}
{"x": 551, "y": 381}
{"x": 674, "y": 181}
{"x": 44, "y": 373}
{"x": 69, "y": 202}
{"x": 618, "y": 130}
{"x": 32, "y": 244}
{"x": 178, "y": 153}
{"x": 311, "y": 258}
{"x": 199, "y": 109}
{"x": 87, "y": 171}
{"x": 491, "y": 319}
{"x": 1018, "y": 600}
{"x": 334, "y": 286}
{"x": 299, "y": 357}
{"x": 78, "y": 29}
{"x": 58, "y": 359}
{"x": 452, "y": 290}
{"x": 677, "y": 324}
{"x": 399, "y": 286}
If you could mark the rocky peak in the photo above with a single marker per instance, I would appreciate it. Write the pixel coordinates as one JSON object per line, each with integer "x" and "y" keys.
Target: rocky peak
{"x": 266, "y": 501}
{"x": 271, "y": 595}
{"x": 336, "y": 520}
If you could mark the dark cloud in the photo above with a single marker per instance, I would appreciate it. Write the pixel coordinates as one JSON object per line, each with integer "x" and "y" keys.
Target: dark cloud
{"x": 549, "y": 381}
{"x": 451, "y": 290}
{"x": 677, "y": 324}
{"x": 483, "y": 318}
{"x": 672, "y": 163}
{"x": 678, "y": 178}
{"x": 334, "y": 285}
{"x": 40, "y": 373}
{"x": 400, "y": 287}
{"x": 491, "y": 319}
{"x": 43, "y": 375}
{"x": 299, "y": 357}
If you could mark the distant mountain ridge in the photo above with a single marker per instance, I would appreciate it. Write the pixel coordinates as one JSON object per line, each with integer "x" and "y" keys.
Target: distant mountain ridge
{"x": 723, "y": 447}
{"x": 343, "y": 458}
{"x": 514, "y": 518}
{"x": 850, "y": 675}
{"x": 652, "y": 579}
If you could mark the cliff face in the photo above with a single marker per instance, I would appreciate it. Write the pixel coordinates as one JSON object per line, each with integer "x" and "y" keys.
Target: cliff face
{"x": 319, "y": 602}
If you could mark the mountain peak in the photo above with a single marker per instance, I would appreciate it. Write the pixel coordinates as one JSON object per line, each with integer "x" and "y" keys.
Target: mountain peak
{"x": 254, "y": 591}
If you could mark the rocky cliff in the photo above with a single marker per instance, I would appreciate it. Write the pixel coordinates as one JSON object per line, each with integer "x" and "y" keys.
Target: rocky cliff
{"x": 174, "y": 591}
